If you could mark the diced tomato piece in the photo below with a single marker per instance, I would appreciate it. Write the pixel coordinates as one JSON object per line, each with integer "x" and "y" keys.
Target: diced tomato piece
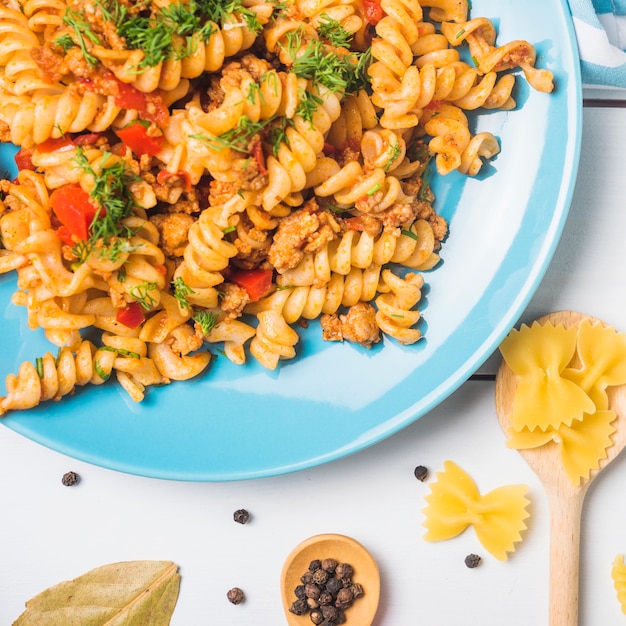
{"x": 164, "y": 175}
{"x": 55, "y": 144}
{"x": 257, "y": 153}
{"x": 87, "y": 139}
{"x": 433, "y": 104}
{"x": 131, "y": 315}
{"x": 373, "y": 11}
{"x": 74, "y": 209}
{"x": 23, "y": 159}
{"x": 155, "y": 110}
{"x": 329, "y": 149}
{"x": 129, "y": 98}
{"x": 256, "y": 282}
{"x": 136, "y": 137}
{"x": 355, "y": 223}
{"x": 65, "y": 235}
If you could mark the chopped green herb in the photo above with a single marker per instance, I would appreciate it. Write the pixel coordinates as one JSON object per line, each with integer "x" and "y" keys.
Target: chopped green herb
{"x": 39, "y": 366}
{"x": 229, "y": 229}
{"x": 374, "y": 189}
{"x": 277, "y": 134}
{"x": 460, "y": 33}
{"x": 111, "y": 193}
{"x": 206, "y": 320}
{"x": 409, "y": 233}
{"x": 104, "y": 375}
{"x": 181, "y": 291}
{"x": 122, "y": 352}
{"x": 309, "y": 103}
{"x": 65, "y": 42}
{"x": 82, "y": 31}
{"x": 142, "y": 294}
{"x": 238, "y": 138}
{"x": 396, "y": 149}
{"x": 333, "y": 32}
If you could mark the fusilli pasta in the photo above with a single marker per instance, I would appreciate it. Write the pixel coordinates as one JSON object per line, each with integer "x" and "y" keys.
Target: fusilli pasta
{"x": 193, "y": 173}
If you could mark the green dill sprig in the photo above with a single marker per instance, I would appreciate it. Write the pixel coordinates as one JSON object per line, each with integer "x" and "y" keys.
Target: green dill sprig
{"x": 206, "y": 320}
{"x": 181, "y": 292}
{"x": 82, "y": 32}
{"x": 333, "y": 32}
{"x": 309, "y": 103}
{"x": 112, "y": 196}
{"x": 341, "y": 74}
{"x": 396, "y": 149}
{"x": 102, "y": 373}
{"x": 142, "y": 293}
{"x": 121, "y": 352}
{"x": 277, "y": 134}
{"x": 237, "y": 138}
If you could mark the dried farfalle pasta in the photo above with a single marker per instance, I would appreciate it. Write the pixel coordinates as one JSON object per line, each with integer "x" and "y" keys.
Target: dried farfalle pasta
{"x": 618, "y": 573}
{"x": 544, "y": 398}
{"x": 574, "y": 366}
{"x": 455, "y": 503}
{"x": 602, "y": 354}
{"x": 582, "y": 445}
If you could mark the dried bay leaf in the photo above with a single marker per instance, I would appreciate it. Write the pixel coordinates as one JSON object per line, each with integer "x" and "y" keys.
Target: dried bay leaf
{"x": 130, "y": 593}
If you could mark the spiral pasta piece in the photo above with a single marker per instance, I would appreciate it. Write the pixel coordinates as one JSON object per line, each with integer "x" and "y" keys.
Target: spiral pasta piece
{"x": 205, "y": 256}
{"x": 274, "y": 339}
{"x": 19, "y": 73}
{"x": 395, "y": 315}
{"x": 52, "y": 378}
{"x": 42, "y": 115}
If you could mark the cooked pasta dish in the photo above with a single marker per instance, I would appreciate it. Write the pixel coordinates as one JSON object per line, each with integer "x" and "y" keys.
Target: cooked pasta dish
{"x": 208, "y": 175}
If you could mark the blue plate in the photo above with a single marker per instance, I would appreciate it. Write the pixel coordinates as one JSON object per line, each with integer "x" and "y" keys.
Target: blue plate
{"x": 239, "y": 422}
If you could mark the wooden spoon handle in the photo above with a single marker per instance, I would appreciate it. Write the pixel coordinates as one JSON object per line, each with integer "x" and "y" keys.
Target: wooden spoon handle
{"x": 565, "y": 515}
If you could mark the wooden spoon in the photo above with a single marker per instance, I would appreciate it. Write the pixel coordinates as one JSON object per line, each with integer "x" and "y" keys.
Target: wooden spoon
{"x": 344, "y": 550}
{"x": 564, "y": 498}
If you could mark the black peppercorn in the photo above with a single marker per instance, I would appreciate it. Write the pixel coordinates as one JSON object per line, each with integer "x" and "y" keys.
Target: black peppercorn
{"x": 329, "y": 565}
{"x": 344, "y": 598}
{"x": 357, "y": 590}
{"x": 320, "y": 576}
{"x": 70, "y": 479}
{"x": 327, "y": 590}
{"x": 241, "y": 516}
{"x": 299, "y": 607}
{"x": 343, "y": 571}
{"x": 329, "y": 612}
{"x": 311, "y": 590}
{"x": 235, "y": 595}
{"x": 312, "y": 603}
{"x": 472, "y": 560}
{"x": 421, "y": 473}
{"x": 325, "y": 598}
{"x": 333, "y": 585}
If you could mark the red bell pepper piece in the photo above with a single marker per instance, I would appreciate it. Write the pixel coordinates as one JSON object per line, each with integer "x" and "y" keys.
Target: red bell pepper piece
{"x": 136, "y": 137}
{"x": 131, "y": 315}
{"x": 256, "y": 282}
{"x": 74, "y": 209}
{"x": 23, "y": 159}
{"x": 373, "y": 11}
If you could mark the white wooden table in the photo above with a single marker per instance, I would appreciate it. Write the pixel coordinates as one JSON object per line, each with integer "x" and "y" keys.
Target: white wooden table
{"x": 50, "y": 533}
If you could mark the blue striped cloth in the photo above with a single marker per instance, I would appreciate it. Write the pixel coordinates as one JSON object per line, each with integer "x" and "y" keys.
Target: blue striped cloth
{"x": 601, "y": 33}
